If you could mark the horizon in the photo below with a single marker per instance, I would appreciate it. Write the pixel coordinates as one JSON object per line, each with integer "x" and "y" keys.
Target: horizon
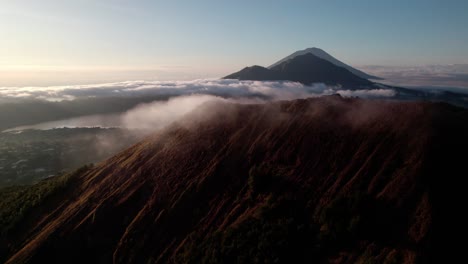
{"x": 53, "y": 43}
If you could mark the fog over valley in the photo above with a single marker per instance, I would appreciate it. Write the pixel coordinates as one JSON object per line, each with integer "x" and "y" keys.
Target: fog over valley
{"x": 133, "y": 99}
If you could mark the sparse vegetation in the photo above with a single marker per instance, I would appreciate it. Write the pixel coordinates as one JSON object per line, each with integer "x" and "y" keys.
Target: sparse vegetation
{"x": 17, "y": 201}
{"x": 284, "y": 229}
{"x": 343, "y": 216}
{"x": 279, "y": 233}
{"x": 258, "y": 178}
{"x": 262, "y": 178}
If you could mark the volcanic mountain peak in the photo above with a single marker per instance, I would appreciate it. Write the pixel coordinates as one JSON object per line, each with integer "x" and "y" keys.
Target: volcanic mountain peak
{"x": 324, "y": 55}
{"x": 307, "y": 69}
{"x": 315, "y": 51}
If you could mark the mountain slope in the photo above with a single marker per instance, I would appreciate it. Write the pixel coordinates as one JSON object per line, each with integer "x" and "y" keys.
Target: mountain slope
{"x": 257, "y": 73}
{"x": 306, "y": 69}
{"x": 316, "y": 180}
{"x": 309, "y": 68}
{"x": 324, "y": 55}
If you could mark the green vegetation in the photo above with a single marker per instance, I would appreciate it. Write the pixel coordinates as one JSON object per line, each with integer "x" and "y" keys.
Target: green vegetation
{"x": 264, "y": 178}
{"x": 32, "y": 155}
{"x": 373, "y": 257}
{"x": 394, "y": 257}
{"x": 259, "y": 178}
{"x": 279, "y": 233}
{"x": 286, "y": 227}
{"x": 343, "y": 217}
{"x": 16, "y": 202}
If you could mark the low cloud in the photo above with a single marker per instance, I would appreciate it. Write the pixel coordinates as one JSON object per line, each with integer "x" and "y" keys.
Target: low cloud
{"x": 374, "y": 93}
{"x": 152, "y": 116}
{"x": 184, "y": 96}
{"x": 225, "y": 88}
{"x": 159, "y": 114}
{"x": 455, "y": 75}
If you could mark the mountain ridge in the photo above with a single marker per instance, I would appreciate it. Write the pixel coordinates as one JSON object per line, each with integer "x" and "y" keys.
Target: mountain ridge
{"x": 349, "y": 179}
{"x": 306, "y": 69}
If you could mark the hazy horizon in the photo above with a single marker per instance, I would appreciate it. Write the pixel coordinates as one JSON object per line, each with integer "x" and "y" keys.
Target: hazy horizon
{"x": 83, "y": 42}
{"x": 444, "y": 76}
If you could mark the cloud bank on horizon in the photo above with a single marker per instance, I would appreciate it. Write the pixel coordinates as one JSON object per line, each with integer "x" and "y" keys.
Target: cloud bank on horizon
{"x": 184, "y": 96}
{"x": 454, "y": 75}
{"x": 276, "y": 90}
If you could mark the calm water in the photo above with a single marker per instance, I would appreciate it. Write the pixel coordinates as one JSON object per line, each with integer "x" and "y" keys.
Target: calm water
{"x": 105, "y": 121}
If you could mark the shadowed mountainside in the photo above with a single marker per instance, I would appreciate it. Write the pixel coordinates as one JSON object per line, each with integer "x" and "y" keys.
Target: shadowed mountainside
{"x": 324, "y": 55}
{"x": 315, "y": 180}
{"x": 306, "y": 69}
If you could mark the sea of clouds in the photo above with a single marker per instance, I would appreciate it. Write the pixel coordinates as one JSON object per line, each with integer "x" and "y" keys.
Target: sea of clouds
{"x": 445, "y": 76}
{"x": 226, "y": 88}
{"x": 185, "y": 96}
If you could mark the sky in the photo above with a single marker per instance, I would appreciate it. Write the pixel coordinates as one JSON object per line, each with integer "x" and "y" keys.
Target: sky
{"x": 58, "y": 42}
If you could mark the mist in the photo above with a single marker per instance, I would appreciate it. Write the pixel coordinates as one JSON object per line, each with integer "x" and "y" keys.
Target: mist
{"x": 156, "y": 115}
{"x": 452, "y": 77}
{"x": 118, "y": 115}
{"x": 275, "y": 90}
{"x": 179, "y": 98}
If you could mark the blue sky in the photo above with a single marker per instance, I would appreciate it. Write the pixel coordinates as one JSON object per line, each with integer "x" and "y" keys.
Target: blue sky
{"x": 207, "y": 38}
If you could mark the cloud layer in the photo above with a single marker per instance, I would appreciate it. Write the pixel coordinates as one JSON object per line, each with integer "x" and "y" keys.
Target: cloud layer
{"x": 225, "y": 88}
{"x": 455, "y": 75}
{"x": 184, "y": 97}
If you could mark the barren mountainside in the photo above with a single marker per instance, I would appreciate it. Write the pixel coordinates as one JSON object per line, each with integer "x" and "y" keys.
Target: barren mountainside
{"x": 327, "y": 180}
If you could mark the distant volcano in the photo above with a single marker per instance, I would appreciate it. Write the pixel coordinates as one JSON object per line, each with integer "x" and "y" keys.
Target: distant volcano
{"x": 306, "y": 69}
{"x": 314, "y": 65}
{"x": 324, "y": 55}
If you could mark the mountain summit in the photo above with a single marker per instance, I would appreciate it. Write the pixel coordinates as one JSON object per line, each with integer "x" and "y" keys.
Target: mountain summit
{"x": 307, "y": 69}
{"x": 324, "y": 55}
